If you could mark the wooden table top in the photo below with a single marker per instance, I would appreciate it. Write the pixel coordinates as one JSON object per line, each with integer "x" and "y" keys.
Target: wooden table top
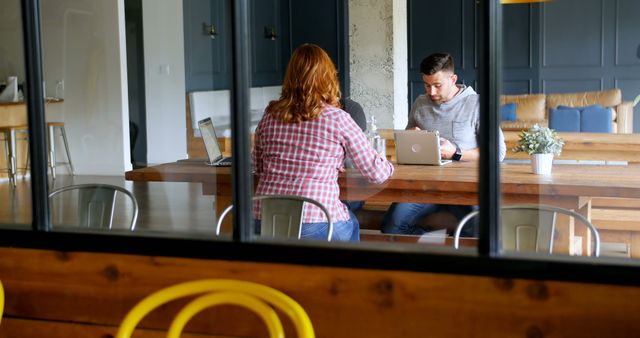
{"x": 565, "y": 179}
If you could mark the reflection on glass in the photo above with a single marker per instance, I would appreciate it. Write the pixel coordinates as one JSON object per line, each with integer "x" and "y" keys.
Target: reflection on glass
{"x": 130, "y": 87}
{"x": 15, "y": 187}
{"x": 578, "y": 80}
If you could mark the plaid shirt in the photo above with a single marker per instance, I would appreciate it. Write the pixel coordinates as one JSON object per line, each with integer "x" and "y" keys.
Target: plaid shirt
{"x": 304, "y": 159}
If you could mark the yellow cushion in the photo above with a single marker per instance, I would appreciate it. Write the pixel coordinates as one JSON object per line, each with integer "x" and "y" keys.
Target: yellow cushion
{"x": 528, "y": 107}
{"x": 605, "y": 98}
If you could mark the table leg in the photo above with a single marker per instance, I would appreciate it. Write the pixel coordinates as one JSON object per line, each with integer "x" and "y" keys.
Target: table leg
{"x": 634, "y": 244}
{"x": 584, "y": 209}
{"x": 565, "y": 230}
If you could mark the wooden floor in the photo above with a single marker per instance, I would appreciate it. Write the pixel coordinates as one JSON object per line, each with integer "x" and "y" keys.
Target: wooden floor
{"x": 162, "y": 206}
{"x": 178, "y": 208}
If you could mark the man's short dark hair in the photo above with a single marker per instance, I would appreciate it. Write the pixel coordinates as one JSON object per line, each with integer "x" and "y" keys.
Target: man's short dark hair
{"x": 437, "y": 62}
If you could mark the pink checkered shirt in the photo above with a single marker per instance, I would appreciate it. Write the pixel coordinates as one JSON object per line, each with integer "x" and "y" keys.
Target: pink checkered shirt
{"x": 304, "y": 159}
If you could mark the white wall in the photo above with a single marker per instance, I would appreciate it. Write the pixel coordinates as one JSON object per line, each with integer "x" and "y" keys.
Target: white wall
{"x": 11, "y": 48}
{"x": 400, "y": 65}
{"x": 378, "y": 59}
{"x": 83, "y": 46}
{"x": 164, "y": 80}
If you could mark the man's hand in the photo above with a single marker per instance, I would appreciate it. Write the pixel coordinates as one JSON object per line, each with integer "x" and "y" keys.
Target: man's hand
{"x": 447, "y": 149}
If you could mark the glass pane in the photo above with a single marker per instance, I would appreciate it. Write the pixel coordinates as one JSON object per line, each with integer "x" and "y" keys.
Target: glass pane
{"x": 15, "y": 186}
{"x": 119, "y": 103}
{"x": 135, "y": 91}
{"x": 571, "y": 66}
{"x": 424, "y": 201}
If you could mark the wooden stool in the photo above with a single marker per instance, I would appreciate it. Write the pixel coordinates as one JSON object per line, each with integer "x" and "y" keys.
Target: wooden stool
{"x": 51, "y": 128}
{"x": 10, "y": 146}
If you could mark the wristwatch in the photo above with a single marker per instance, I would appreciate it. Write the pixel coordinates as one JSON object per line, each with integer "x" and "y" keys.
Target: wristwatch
{"x": 458, "y": 154}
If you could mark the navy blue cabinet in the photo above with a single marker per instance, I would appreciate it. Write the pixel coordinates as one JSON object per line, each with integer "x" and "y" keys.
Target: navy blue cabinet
{"x": 207, "y": 44}
{"x": 277, "y": 27}
{"x": 324, "y": 23}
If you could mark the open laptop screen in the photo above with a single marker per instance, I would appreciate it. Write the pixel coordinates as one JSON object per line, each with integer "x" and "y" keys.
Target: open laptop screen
{"x": 210, "y": 140}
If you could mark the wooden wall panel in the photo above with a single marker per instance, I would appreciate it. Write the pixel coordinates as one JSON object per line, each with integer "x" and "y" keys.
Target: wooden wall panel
{"x": 627, "y": 32}
{"x": 98, "y": 289}
{"x": 575, "y": 40}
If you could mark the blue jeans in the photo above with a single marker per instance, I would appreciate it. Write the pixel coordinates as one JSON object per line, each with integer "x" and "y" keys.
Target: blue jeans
{"x": 402, "y": 218}
{"x": 342, "y": 230}
{"x": 353, "y": 206}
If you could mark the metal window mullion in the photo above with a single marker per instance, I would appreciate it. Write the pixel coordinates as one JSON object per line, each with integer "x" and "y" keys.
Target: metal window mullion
{"x": 34, "y": 97}
{"x": 490, "y": 72}
{"x": 242, "y": 178}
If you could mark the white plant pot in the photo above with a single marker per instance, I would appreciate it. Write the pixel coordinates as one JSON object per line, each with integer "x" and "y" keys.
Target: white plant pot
{"x": 541, "y": 163}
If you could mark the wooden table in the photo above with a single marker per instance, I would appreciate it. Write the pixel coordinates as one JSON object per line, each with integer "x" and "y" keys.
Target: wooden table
{"x": 569, "y": 186}
{"x": 578, "y": 146}
{"x": 15, "y": 114}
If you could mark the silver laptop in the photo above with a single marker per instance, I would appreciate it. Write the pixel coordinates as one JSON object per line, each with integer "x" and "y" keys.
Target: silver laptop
{"x": 418, "y": 147}
{"x": 211, "y": 144}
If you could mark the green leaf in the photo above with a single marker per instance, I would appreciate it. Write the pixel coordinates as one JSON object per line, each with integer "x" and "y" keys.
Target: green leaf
{"x": 539, "y": 140}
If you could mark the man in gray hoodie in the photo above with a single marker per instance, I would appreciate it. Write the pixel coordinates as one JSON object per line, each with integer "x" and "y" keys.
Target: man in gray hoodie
{"x": 453, "y": 110}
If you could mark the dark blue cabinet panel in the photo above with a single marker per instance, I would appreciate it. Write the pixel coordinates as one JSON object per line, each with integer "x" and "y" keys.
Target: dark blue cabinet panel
{"x": 429, "y": 23}
{"x": 515, "y": 87}
{"x": 571, "y": 86}
{"x": 276, "y": 28}
{"x": 516, "y": 37}
{"x": 572, "y": 33}
{"x": 627, "y": 33}
{"x": 323, "y": 23}
{"x": 441, "y": 26}
{"x": 266, "y": 37}
{"x": 207, "y": 54}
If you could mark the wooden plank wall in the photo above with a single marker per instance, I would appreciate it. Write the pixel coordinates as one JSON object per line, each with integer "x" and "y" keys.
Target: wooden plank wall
{"x": 76, "y": 294}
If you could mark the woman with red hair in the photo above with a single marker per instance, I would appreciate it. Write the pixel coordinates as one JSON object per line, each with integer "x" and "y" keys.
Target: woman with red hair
{"x": 302, "y": 140}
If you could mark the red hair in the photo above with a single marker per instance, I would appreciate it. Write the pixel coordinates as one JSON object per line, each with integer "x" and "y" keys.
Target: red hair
{"x": 311, "y": 80}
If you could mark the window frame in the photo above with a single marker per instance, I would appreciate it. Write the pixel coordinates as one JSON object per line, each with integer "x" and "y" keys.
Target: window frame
{"x": 243, "y": 247}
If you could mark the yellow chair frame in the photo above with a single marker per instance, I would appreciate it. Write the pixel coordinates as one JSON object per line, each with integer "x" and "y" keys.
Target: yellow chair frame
{"x": 1, "y": 301}
{"x": 217, "y": 292}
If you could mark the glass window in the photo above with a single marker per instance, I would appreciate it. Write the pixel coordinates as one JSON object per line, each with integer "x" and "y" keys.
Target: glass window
{"x": 576, "y": 75}
{"x": 145, "y": 103}
{"x": 15, "y": 186}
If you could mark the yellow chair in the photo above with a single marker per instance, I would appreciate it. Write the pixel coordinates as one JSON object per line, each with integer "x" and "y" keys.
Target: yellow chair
{"x": 1, "y": 301}
{"x": 253, "y": 296}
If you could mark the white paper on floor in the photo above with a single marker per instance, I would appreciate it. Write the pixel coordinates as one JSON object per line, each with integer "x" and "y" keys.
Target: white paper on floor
{"x": 434, "y": 237}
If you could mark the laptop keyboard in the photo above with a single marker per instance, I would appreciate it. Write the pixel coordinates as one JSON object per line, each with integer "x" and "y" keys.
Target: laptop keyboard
{"x": 225, "y": 162}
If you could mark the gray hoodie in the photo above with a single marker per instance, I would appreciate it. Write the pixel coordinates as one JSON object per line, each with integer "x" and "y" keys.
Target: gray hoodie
{"x": 457, "y": 120}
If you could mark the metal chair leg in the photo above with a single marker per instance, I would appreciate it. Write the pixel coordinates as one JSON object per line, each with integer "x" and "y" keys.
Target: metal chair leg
{"x": 8, "y": 157}
{"x": 66, "y": 147}
{"x": 12, "y": 156}
{"x": 52, "y": 151}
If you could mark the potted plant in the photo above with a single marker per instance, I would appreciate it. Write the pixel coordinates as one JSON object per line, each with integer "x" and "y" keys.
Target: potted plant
{"x": 541, "y": 144}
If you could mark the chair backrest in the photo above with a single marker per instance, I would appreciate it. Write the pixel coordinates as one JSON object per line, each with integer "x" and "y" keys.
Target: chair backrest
{"x": 257, "y": 297}
{"x": 281, "y": 215}
{"x": 96, "y": 204}
{"x": 530, "y": 227}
